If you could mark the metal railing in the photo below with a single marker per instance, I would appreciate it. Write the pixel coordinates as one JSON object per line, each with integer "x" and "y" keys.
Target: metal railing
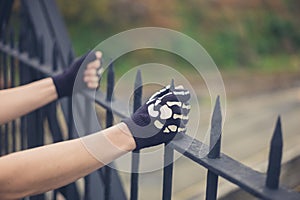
{"x": 27, "y": 61}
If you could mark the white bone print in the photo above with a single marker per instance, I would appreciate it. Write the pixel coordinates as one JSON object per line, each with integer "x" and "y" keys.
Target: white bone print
{"x": 151, "y": 111}
{"x": 165, "y": 112}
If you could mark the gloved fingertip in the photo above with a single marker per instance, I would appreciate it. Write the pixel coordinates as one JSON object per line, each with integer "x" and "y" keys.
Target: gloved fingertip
{"x": 98, "y": 54}
{"x": 179, "y": 87}
{"x": 172, "y": 85}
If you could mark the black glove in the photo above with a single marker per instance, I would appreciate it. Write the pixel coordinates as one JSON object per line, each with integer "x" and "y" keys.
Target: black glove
{"x": 158, "y": 120}
{"x": 64, "y": 82}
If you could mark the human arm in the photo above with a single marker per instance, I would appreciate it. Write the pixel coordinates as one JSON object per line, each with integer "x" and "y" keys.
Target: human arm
{"x": 21, "y": 100}
{"x": 18, "y": 101}
{"x": 42, "y": 169}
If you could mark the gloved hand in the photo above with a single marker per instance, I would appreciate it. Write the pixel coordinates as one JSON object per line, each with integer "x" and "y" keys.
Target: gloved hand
{"x": 159, "y": 120}
{"x": 90, "y": 75}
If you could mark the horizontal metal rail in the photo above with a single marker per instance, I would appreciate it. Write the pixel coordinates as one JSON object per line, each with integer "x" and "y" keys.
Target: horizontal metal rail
{"x": 246, "y": 178}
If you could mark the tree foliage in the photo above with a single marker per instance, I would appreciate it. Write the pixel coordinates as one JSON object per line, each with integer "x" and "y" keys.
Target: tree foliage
{"x": 234, "y": 32}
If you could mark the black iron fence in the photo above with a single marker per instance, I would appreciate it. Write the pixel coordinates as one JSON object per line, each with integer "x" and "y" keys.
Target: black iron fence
{"x": 32, "y": 50}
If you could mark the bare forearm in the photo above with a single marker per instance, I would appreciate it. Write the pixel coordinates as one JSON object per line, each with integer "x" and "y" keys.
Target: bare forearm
{"x": 48, "y": 167}
{"x": 42, "y": 169}
{"x": 18, "y": 101}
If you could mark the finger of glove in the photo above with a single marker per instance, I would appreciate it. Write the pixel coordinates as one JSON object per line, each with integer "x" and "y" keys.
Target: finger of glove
{"x": 90, "y": 72}
{"x": 93, "y": 61}
{"x": 91, "y": 79}
{"x": 95, "y": 64}
{"x": 82, "y": 60}
{"x": 179, "y": 113}
{"x": 182, "y": 129}
{"x": 181, "y": 96}
{"x": 159, "y": 94}
{"x": 179, "y": 109}
{"x": 185, "y": 108}
{"x": 184, "y": 118}
{"x": 171, "y": 126}
{"x": 92, "y": 85}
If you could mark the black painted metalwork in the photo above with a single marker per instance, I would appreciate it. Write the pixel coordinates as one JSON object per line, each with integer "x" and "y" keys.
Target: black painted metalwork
{"x": 214, "y": 150}
{"x": 109, "y": 123}
{"x": 273, "y": 173}
{"x": 137, "y": 102}
{"x": 168, "y": 166}
{"x": 168, "y": 173}
{"x": 25, "y": 58}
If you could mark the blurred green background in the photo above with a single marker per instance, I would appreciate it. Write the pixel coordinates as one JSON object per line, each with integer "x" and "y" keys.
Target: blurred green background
{"x": 256, "y": 34}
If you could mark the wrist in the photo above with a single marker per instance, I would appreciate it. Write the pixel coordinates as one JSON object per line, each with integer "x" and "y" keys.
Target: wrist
{"x": 53, "y": 88}
{"x": 63, "y": 85}
{"x": 122, "y": 137}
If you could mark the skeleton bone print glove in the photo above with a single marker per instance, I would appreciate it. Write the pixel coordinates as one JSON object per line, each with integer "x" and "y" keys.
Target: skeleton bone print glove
{"x": 159, "y": 120}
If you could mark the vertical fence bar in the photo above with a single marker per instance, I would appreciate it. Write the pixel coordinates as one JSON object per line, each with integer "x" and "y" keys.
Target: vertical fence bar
{"x": 39, "y": 115}
{"x": 70, "y": 113}
{"x": 275, "y": 155}
{"x": 54, "y": 56}
{"x": 12, "y": 84}
{"x": 168, "y": 166}
{"x": 23, "y": 80}
{"x": 70, "y": 128}
{"x": 72, "y": 189}
{"x": 214, "y": 150}
{"x": 21, "y": 76}
{"x": 31, "y": 123}
{"x": 88, "y": 111}
{"x": 5, "y": 79}
{"x": 168, "y": 173}
{"x": 109, "y": 122}
{"x": 137, "y": 102}
{"x": 41, "y": 50}
{"x": 3, "y": 33}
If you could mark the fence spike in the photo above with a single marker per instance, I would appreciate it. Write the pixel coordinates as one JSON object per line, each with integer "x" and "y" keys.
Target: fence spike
{"x": 172, "y": 85}
{"x": 138, "y": 91}
{"x": 275, "y": 155}
{"x": 216, "y": 131}
{"x": 138, "y": 79}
